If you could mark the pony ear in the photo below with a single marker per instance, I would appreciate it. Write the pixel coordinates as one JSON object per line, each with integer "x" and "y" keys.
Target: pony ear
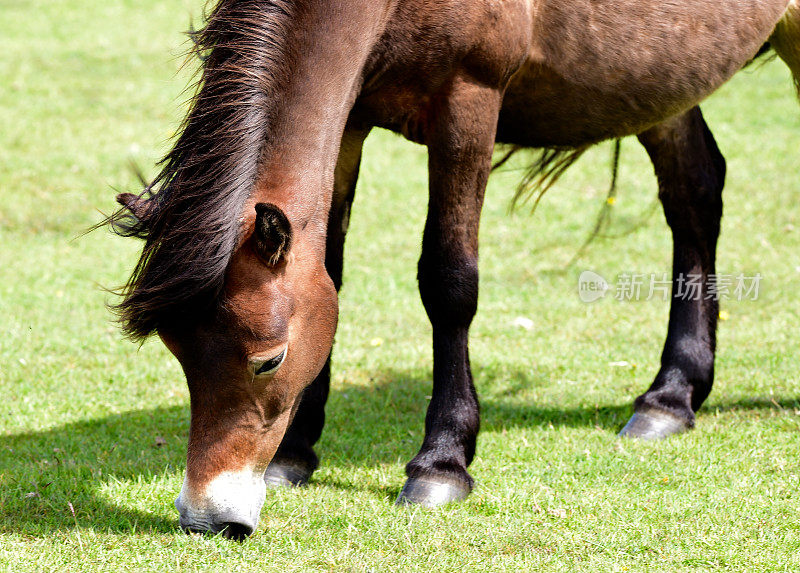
{"x": 136, "y": 204}
{"x": 273, "y": 233}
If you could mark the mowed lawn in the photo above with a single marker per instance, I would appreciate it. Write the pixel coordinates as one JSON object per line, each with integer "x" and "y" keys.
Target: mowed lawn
{"x": 93, "y": 429}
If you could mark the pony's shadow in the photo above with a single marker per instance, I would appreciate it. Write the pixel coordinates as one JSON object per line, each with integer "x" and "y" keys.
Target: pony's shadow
{"x": 48, "y": 475}
{"x": 382, "y": 423}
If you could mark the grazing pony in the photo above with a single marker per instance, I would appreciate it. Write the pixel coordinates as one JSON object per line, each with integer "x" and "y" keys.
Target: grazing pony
{"x": 244, "y": 226}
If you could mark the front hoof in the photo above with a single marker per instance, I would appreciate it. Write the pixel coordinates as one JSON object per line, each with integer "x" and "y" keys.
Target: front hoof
{"x": 286, "y": 474}
{"x": 432, "y": 493}
{"x": 653, "y": 425}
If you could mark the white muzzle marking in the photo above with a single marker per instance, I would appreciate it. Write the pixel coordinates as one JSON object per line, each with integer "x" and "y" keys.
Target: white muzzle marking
{"x": 230, "y": 498}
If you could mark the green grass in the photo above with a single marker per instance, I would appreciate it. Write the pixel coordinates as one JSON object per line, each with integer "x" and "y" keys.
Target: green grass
{"x": 85, "y": 90}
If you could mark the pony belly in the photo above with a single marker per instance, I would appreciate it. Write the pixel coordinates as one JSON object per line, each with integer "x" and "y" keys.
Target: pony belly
{"x": 542, "y": 109}
{"x": 598, "y": 69}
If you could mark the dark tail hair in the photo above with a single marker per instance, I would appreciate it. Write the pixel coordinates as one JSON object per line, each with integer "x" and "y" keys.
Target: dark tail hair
{"x": 548, "y": 167}
{"x": 785, "y": 40}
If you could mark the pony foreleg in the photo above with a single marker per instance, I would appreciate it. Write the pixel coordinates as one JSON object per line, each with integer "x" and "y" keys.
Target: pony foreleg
{"x": 295, "y": 459}
{"x": 691, "y": 174}
{"x": 460, "y": 145}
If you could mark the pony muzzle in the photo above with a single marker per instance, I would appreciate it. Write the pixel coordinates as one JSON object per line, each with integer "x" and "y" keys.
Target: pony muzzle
{"x": 229, "y": 504}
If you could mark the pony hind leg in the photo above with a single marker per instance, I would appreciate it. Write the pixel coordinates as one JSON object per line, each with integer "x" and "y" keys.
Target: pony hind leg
{"x": 295, "y": 460}
{"x": 691, "y": 174}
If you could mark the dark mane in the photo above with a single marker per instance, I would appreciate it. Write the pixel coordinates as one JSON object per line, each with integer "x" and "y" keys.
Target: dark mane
{"x": 191, "y": 222}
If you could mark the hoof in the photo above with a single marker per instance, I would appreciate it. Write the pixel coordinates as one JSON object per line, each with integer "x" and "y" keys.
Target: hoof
{"x": 653, "y": 425}
{"x": 286, "y": 474}
{"x": 429, "y": 493}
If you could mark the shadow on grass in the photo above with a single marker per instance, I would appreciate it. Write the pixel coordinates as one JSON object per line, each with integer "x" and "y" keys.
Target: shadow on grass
{"x": 384, "y": 422}
{"x": 41, "y": 473}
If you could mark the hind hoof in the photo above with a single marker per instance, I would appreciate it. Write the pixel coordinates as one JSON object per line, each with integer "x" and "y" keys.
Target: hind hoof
{"x": 653, "y": 425}
{"x": 430, "y": 493}
{"x": 286, "y": 474}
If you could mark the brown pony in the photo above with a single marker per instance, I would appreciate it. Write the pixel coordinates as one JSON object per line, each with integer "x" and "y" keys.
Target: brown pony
{"x": 245, "y": 225}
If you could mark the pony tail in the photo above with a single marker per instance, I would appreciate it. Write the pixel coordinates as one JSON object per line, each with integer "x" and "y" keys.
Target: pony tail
{"x": 785, "y": 40}
{"x": 547, "y": 168}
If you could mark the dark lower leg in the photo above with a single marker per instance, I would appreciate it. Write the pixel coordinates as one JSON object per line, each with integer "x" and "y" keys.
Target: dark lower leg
{"x": 448, "y": 282}
{"x": 452, "y": 420}
{"x": 691, "y": 173}
{"x": 459, "y": 163}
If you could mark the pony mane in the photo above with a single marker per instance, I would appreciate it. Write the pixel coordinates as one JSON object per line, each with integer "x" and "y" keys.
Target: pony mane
{"x": 191, "y": 221}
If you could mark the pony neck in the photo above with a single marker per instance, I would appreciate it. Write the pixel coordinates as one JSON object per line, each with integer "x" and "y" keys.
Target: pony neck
{"x": 322, "y": 80}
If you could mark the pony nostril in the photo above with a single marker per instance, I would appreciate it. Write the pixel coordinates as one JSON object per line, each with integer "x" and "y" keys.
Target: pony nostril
{"x": 194, "y": 530}
{"x": 236, "y": 531}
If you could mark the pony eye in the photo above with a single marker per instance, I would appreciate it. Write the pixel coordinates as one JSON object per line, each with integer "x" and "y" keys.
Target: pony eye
{"x": 270, "y": 366}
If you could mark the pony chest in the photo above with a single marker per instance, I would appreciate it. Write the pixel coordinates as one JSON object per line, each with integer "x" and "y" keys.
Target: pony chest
{"x": 404, "y": 110}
